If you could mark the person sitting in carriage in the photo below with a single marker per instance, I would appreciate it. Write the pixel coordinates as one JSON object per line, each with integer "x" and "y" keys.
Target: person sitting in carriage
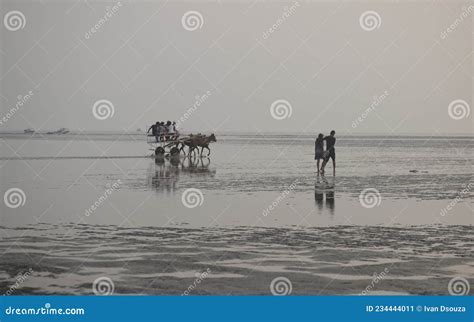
{"x": 175, "y": 131}
{"x": 160, "y": 131}
{"x": 170, "y": 131}
{"x": 165, "y": 131}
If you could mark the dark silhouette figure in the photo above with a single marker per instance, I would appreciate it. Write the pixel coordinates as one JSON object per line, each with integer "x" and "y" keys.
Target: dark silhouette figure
{"x": 154, "y": 128}
{"x": 330, "y": 152}
{"x": 319, "y": 149}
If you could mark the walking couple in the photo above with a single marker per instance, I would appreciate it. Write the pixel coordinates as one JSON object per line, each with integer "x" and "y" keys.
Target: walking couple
{"x": 329, "y": 153}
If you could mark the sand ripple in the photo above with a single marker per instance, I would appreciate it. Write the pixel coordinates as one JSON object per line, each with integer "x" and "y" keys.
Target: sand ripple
{"x": 66, "y": 259}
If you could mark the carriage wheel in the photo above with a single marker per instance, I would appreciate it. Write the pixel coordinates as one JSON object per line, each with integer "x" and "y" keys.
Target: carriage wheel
{"x": 174, "y": 151}
{"x": 159, "y": 152}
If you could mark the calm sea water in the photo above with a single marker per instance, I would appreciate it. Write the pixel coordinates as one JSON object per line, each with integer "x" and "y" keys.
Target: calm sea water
{"x": 248, "y": 180}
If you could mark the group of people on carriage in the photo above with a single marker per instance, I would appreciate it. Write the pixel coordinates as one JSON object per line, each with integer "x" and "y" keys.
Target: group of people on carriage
{"x": 164, "y": 132}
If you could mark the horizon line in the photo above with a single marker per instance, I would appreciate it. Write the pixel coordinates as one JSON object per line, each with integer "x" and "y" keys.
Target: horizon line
{"x": 341, "y": 133}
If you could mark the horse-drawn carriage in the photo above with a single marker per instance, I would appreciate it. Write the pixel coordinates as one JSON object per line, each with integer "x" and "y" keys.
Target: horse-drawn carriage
{"x": 172, "y": 146}
{"x": 163, "y": 146}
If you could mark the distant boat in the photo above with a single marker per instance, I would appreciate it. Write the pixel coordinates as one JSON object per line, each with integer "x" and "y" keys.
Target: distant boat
{"x": 139, "y": 130}
{"x": 62, "y": 130}
{"x": 29, "y": 131}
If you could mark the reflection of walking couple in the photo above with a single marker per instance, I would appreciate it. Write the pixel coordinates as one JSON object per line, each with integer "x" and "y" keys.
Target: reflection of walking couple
{"x": 326, "y": 154}
{"x": 324, "y": 187}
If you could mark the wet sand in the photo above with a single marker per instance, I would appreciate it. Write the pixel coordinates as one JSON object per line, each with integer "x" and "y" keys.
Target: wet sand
{"x": 66, "y": 259}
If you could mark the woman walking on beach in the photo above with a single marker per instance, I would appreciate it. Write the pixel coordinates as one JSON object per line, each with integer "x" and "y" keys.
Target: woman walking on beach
{"x": 330, "y": 152}
{"x": 319, "y": 149}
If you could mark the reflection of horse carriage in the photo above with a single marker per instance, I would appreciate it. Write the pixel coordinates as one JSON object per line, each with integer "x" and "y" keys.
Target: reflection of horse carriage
{"x": 163, "y": 175}
{"x": 169, "y": 146}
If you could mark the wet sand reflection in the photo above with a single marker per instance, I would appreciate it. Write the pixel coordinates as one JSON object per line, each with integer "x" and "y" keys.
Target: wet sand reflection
{"x": 164, "y": 173}
{"x": 324, "y": 194}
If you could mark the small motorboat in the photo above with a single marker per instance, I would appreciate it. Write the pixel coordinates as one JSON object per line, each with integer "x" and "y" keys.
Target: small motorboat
{"x": 62, "y": 130}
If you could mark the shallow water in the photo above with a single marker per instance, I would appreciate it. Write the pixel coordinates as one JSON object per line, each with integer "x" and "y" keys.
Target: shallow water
{"x": 263, "y": 213}
{"x": 63, "y": 176}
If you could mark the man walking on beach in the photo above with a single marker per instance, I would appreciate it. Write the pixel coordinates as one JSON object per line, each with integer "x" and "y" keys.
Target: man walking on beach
{"x": 330, "y": 152}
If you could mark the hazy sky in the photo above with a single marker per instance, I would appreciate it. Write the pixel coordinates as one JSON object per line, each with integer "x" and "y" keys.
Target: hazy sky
{"x": 322, "y": 57}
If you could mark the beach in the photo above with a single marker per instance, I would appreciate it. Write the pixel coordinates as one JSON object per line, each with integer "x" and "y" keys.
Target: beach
{"x": 396, "y": 218}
